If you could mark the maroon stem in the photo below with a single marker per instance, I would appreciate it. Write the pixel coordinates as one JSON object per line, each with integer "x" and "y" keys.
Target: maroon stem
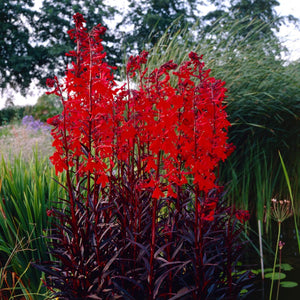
{"x": 197, "y": 248}
{"x": 153, "y": 233}
{"x": 229, "y": 251}
{"x": 152, "y": 249}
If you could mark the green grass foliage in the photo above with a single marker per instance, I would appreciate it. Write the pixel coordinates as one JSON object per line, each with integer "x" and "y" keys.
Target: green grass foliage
{"x": 27, "y": 189}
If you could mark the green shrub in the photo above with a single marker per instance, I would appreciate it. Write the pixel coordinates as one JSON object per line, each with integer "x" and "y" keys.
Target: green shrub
{"x": 14, "y": 113}
{"x": 46, "y": 107}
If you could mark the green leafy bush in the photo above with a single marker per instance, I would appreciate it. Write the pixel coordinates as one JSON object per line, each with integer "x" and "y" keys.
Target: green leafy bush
{"x": 46, "y": 107}
{"x": 14, "y": 113}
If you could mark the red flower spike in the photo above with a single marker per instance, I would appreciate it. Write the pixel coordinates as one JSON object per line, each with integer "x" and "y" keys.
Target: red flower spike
{"x": 55, "y": 121}
{"x": 79, "y": 20}
{"x": 209, "y": 216}
{"x": 98, "y": 30}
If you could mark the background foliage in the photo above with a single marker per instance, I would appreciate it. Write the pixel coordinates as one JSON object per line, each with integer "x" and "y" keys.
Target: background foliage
{"x": 34, "y": 42}
{"x": 18, "y": 56}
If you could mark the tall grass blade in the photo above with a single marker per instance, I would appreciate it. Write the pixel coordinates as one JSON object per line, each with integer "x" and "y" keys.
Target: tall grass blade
{"x": 292, "y": 198}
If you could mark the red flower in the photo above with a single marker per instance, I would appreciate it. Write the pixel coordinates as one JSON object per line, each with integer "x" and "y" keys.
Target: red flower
{"x": 49, "y": 212}
{"x": 157, "y": 193}
{"x": 78, "y": 19}
{"x": 242, "y": 215}
{"x": 209, "y": 216}
{"x": 55, "y": 120}
{"x": 135, "y": 62}
{"x": 50, "y": 82}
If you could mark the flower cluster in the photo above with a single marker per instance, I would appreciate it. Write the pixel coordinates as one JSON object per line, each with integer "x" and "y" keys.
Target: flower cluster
{"x": 140, "y": 175}
{"x": 174, "y": 134}
{"x": 281, "y": 210}
{"x": 33, "y": 124}
{"x": 242, "y": 215}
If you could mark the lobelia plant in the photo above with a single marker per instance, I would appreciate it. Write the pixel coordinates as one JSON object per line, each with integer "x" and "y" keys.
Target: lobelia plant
{"x": 143, "y": 218}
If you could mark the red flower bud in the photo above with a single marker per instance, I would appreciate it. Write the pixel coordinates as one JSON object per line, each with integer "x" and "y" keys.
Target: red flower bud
{"x": 79, "y": 20}
{"x": 50, "y": 82}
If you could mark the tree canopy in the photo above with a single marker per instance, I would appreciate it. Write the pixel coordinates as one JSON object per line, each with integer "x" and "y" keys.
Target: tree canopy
{"x": 248, "y": 10}
{"x": 18, "y": 56}
{"x": 34, "y": 43}
{"x": 150, "y": 19}
{"x": 56, "y": 18}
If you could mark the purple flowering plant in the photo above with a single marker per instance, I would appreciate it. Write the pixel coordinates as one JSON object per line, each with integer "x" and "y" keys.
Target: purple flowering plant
{"x": 34, "y": 125}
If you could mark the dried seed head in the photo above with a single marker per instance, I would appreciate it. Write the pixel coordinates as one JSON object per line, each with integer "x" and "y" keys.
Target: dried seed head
{"x": 281, "y": 210}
